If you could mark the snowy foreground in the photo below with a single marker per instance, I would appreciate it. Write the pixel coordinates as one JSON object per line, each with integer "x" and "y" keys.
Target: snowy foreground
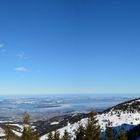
{"x": 125, "y": 120}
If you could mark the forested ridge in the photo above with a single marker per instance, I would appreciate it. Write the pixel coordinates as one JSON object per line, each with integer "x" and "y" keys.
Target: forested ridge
{"x": 91, "y": 131}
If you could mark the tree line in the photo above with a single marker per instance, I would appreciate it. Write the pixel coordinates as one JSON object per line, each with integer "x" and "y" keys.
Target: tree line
{"x": 91, "y": 131}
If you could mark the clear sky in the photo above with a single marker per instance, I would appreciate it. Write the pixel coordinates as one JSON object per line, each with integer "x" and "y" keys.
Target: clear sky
{"x": 69, "y": 46}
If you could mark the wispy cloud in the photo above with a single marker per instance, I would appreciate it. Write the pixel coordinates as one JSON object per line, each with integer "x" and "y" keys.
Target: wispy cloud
{"x": 22, "y": 55}
{"x": 2, "y": 49}
{"x": 21, "y": 69}
{"x": 1, "y": 45}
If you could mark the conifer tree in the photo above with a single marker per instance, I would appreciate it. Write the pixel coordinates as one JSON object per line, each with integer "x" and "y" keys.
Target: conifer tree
{"x": 122, "y": 135}
{"x": 50, "y": 136}
{"x": 109, "y": 133}
{"x": 80, "y": 133}
{"x": 66, "y": 136}
{"x": 27, "y": 133}
{"x": 56, "y": 135}
{"x": 9, "y": 135}
{"x": 92, "y": 131}
{"x": 26, "y": 118}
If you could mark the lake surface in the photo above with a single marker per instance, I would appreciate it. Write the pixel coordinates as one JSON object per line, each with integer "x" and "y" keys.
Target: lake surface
{"x": 46, "y": 106}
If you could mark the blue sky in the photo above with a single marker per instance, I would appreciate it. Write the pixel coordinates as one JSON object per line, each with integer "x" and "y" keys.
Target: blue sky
{"x": 69, "y": 46}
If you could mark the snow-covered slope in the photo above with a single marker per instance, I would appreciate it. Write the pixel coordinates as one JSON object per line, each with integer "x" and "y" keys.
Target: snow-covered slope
{"x": 125, "y": 115}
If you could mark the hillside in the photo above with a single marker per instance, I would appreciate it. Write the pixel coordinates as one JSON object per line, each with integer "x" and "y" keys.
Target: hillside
{"x": 125, "y": 115}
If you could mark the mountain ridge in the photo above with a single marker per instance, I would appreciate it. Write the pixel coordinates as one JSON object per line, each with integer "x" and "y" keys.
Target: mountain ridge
{"x": 125, "y": 115}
